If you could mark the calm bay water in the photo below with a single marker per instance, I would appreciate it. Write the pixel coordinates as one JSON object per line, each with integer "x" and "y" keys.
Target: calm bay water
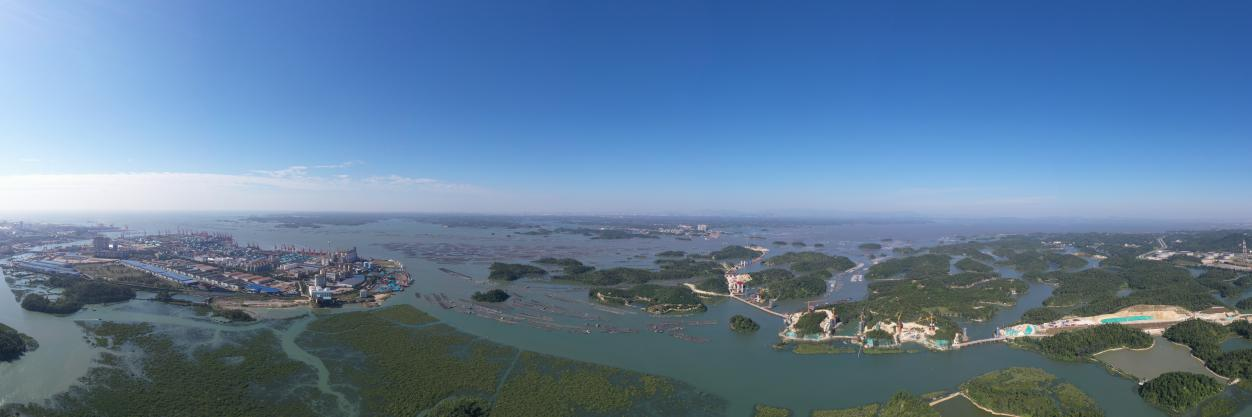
{"x": 742, "y": 368}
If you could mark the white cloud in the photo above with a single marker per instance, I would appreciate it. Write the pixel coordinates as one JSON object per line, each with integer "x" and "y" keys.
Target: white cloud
{"x": 341, "y": 165}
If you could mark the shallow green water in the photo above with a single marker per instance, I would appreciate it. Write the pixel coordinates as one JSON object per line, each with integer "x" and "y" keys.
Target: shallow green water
{"x": 1164, "y": 356}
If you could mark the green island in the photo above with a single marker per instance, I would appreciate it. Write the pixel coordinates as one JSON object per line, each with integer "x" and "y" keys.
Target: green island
{"x": 668, "y": 269}
{"x": 762, "y": 410}
{"x": 809, "y": 285}
{"x": 672, "y": 254}
{"x": 806, "y": 262}
{"x": 735, "y": 252}
{"x": 403, "y": 362}
{"x": 1028, "y": 261}
{"x": 14, "y": 344}
{"x": 569, "y": 266}
{"x": 233, "y": 315}
{"x": 655, "y": 299}
{"x": 921, "y": 266}
{"x": 931, "y": 299}
{"x": 743, "y": 324}
{"x": 973, "y": 250}
{"x": 76, "y": 294}
{"x": 783, "y": 284}
{"x": 904, "y": 250}
{"x": 869, "y": 246}
{"x": 902, "y": 404}
{"x": 1029, "y": 392}
{"x": 1178, "y": 392}
{"x": 501, "y": 271}
{"x": 495, "y": 295}
{"x": 1081, "y": 344}
{"x": 970, "y": 265}
{"x": 1096, "y": 291}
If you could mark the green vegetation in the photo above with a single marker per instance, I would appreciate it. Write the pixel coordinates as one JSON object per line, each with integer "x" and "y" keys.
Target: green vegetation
{"x": 1037, "y": 261}
{"x": 869, "y": 246}
{"x": 541, "y": 385}
{"x": 1075, "y": 288}
{"x": 743, "y": 324}
{"x": 767, "y": 276}
{"x": 762, "y": 410}
{"x": 716, "y": 285}
{"x": 1226, "y": 282}
{"x": 922, "y": 266}
{"x": 1233, "y": 364}
{"x": 879, "y": 337}
{"x": 403, "y": 370}
{"x": 1040, "y": 315}
{"x": 969, "y": 264}
{"x": 77, "y": 293}
{"x": 735, "y": 252}
{"x": 1218, "y": 407}
{"x": 248, "y": 376}
{"x": 1080, "y": 344}
{"x": 569, "y": 266}
{"x": 937, "y": 299}
{"x": 1094, "y": 291}
{"x": 1029, "y": 392}
{"x": 512, "y": 272}
{"x": 1204, "y": 338}
{"x": 972, "y": 250}
{"x": 460, "y": 407}
{"x": 807, "y": 262}
{"x": 655, "y": 299}
{"x": 672, "y": 254}
{"x": 1244, "y": 304}
{"x": 670, "y": 269}
{"x": 490, "y": 296}
{"x": 39, "y": 303}
{"x": 783, "y": 284}
{"x": 902, "y": 404}
{"x": 811, "y": 285}
{"x": 810, "y": 323}
{"x": 1177, "y": 392}
{"x": 821, "y": 349}
{"x": 904, "y": 251}
{"x": 233, "y": 315}
{"x": 14, "y": 344}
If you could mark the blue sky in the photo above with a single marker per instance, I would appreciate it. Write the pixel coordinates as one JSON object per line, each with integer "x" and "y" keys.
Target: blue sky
{"x": 955, "y": 108}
